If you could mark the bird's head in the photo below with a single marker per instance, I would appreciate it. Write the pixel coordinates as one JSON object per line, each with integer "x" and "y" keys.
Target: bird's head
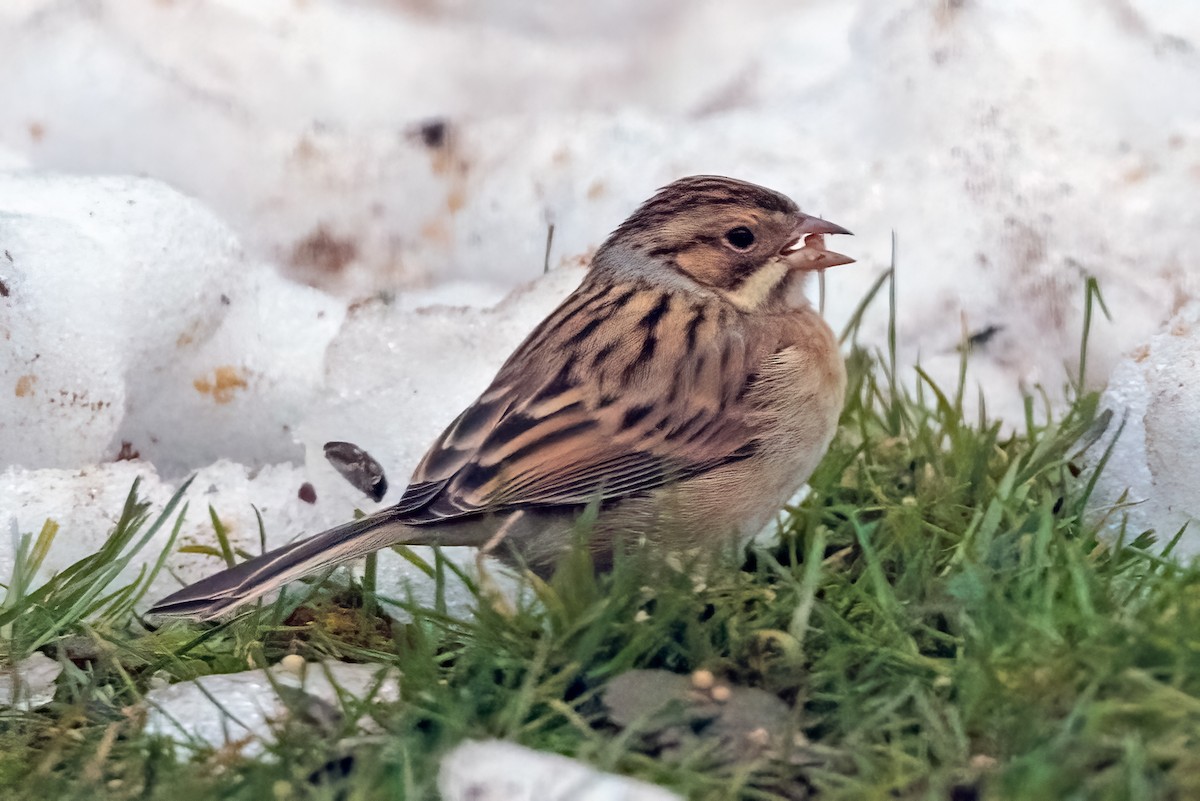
{"x": 744, "y": 241}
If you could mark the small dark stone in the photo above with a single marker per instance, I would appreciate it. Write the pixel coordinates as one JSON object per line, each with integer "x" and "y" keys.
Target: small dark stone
{"x": 358, "y": 467}
{"x": 127, "y": 453}
{"x": 433, "y": 133}
{"x": 964, "y": 792}
{"x": 984, "y": 335}
{"x": 307, "y": 493}
{"x": 672, "y": 710}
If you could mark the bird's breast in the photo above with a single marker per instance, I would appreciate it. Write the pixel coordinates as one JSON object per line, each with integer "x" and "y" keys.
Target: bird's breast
{"x": 799, "y": 391}
{"x": 796, "y": 400}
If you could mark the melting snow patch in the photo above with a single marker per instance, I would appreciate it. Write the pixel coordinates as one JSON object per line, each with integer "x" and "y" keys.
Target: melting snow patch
{"x": 242, "y": 710}
{"x": 29, "y": 683}
{"x": 1151, "y": 480}
{"x": 499, "y": 771}
{"x": 134, "y": 324}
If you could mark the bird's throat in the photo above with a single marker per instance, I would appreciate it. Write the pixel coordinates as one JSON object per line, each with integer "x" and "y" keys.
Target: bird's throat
{"x": 762, "y": 287}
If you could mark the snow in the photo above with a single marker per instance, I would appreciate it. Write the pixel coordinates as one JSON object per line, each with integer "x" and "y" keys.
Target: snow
{"x": 336, "y": 195}
{"x": 495, "y": 770}
{"x": 30, "y": 683}
{"x": 240, "y": 712}
{"x": 11, "y": 160}
{"x": 1151, "y": 478}
{"x": 135, "y": 317}
{"x": 1015, "y": 147}
{"x": 300, "y": 369}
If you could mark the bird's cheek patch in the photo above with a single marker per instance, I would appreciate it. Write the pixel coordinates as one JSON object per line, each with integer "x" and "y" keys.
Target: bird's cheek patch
{"x": 703, "y": 267}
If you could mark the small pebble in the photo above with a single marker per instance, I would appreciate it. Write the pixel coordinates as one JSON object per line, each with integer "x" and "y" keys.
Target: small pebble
{"x": 759, "y": 737}
{"x": 983, "y": 762}
{"x": 703, "y": 679}
{"x": 721, "y": 694}
{"x": 292, "y": 663}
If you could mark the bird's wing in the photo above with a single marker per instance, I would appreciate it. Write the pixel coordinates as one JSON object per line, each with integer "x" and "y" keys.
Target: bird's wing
{"x": 621, "y": 390}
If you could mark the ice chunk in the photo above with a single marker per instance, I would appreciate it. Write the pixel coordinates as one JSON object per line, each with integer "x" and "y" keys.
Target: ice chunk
{"x": 30, "y": 683}
{"x": 86, "y": 504}
{"x": 494, "y": 770}
{"x": 1151, "y": 479}
{"x": 135, "y": 325}
{"x": 240, "y": 711}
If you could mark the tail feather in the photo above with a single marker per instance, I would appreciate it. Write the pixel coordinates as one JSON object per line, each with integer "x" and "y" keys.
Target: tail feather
{"x": 213, "y": 596}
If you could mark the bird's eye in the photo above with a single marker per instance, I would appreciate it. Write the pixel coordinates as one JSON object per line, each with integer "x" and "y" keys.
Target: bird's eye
{"x": 741, "y": 238}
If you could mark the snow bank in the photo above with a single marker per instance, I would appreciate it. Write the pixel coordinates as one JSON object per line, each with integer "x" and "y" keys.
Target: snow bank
{"x": 136, "y": 325}
{"x": 1016, "y": 147}
{"x": 140, "y": 333}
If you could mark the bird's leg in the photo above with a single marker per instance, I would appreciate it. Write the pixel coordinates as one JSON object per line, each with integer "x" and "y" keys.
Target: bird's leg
{"x": 487, "y": 585}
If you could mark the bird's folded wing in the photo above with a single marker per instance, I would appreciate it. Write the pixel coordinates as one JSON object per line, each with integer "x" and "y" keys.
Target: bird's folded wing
{"x": 560, "y": 428}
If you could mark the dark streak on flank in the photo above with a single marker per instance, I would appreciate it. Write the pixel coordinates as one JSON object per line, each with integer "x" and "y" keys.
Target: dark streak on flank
{"x": 744, "y": 452}
{"x": 647, "y": 352}
{"x": 726, "y": 357}
{"x": 635, "y": 414}
{"x": 751, "y": 381}
{"x": 693, "y": 327}
{"x": 676, "y": 384}
{"x": 688, "y": 424}
{"x": 632, "y": 368}
{"x": 603, "y": 354}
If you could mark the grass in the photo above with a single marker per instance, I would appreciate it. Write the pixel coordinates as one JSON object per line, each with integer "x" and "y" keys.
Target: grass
{"x": 938, "y": 615}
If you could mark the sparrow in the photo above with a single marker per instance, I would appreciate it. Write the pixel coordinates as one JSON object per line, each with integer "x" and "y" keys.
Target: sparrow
{"x": 687, "y": 388}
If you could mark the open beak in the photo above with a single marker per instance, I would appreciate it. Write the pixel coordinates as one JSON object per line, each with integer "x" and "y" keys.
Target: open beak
{"x": 807, "y": 250}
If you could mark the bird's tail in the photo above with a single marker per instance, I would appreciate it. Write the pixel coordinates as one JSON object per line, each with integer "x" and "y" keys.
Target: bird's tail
{"x": 219, "y": 593}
